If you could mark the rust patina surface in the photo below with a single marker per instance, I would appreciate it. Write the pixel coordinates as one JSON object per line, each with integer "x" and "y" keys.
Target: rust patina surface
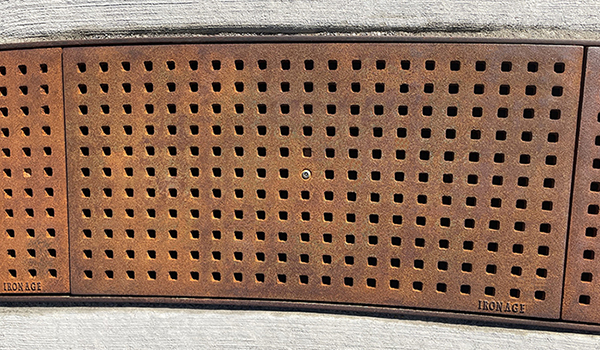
{"x": 34, "y": 256}
{"x": 581, "y": 295}
{"x": 421, "y": 175}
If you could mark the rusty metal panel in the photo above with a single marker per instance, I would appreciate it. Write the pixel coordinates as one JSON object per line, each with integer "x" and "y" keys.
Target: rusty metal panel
{"x": 420, "y": 175}
{"x": 33, "y": 219}
{"x": 581, "y": 296}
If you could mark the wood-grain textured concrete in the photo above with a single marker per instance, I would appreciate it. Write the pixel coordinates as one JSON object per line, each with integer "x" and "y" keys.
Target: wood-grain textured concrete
{"x": 160, "y": 328}
{"x": 40, "y": 20}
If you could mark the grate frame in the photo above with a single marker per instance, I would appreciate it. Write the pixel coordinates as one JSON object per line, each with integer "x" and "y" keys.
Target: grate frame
{"x": 33, "y": 222}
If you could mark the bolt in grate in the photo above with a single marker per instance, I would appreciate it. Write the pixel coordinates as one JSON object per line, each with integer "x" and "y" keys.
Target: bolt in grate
{"x": 580, "y": 302}
{"x": 426, "y": 175}
{"x": 33, "y": 217}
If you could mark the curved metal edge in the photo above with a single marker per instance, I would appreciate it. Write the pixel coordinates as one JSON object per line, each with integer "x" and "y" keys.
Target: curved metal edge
{"x": 292, "y": 38}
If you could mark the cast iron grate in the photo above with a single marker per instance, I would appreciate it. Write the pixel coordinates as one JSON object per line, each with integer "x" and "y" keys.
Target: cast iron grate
{"x": 33, "y": 218}
{"x": 438, "y": 174}
{"x": 581, "y": 296}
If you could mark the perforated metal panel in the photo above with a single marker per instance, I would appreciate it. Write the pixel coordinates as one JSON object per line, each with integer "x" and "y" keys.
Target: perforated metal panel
{"x": 33, "y": 219}
{"x": 581, "y": 295}
{"x": 435, "y": 175}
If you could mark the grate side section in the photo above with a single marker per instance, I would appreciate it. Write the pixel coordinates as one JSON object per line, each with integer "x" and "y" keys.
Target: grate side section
{"x": 581, "y": 298}
{"x": 33, "y": 219}
{"x": 439, "y": 173}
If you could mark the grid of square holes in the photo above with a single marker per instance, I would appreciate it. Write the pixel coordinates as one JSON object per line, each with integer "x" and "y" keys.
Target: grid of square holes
{"x": 418, "y": 175}
{"x": 33, "y": 218}
{"x": 581, "y": 297}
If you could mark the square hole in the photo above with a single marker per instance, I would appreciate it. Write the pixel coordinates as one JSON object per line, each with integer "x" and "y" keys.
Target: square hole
{"x": 454, "y": 65}
{"x": 532, "y": 67}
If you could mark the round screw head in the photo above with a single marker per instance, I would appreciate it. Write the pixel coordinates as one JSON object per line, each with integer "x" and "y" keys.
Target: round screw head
{"x": 306, "y": 174}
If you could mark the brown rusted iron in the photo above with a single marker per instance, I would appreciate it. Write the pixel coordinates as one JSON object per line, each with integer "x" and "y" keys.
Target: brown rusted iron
{"x": 581, "y": 296}
{"x": 33, "y": 218}
{"x": 420, "y": 175}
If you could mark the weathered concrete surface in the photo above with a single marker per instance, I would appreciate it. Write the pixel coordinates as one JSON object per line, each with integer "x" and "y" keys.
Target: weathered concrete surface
{"x": 35, "y": 20}
{"x": 149, "y": 328}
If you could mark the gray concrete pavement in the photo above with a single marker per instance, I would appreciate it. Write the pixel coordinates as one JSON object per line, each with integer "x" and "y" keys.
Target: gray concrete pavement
{"x": 159, "y": 328}
{"x": 34, "y": 20}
